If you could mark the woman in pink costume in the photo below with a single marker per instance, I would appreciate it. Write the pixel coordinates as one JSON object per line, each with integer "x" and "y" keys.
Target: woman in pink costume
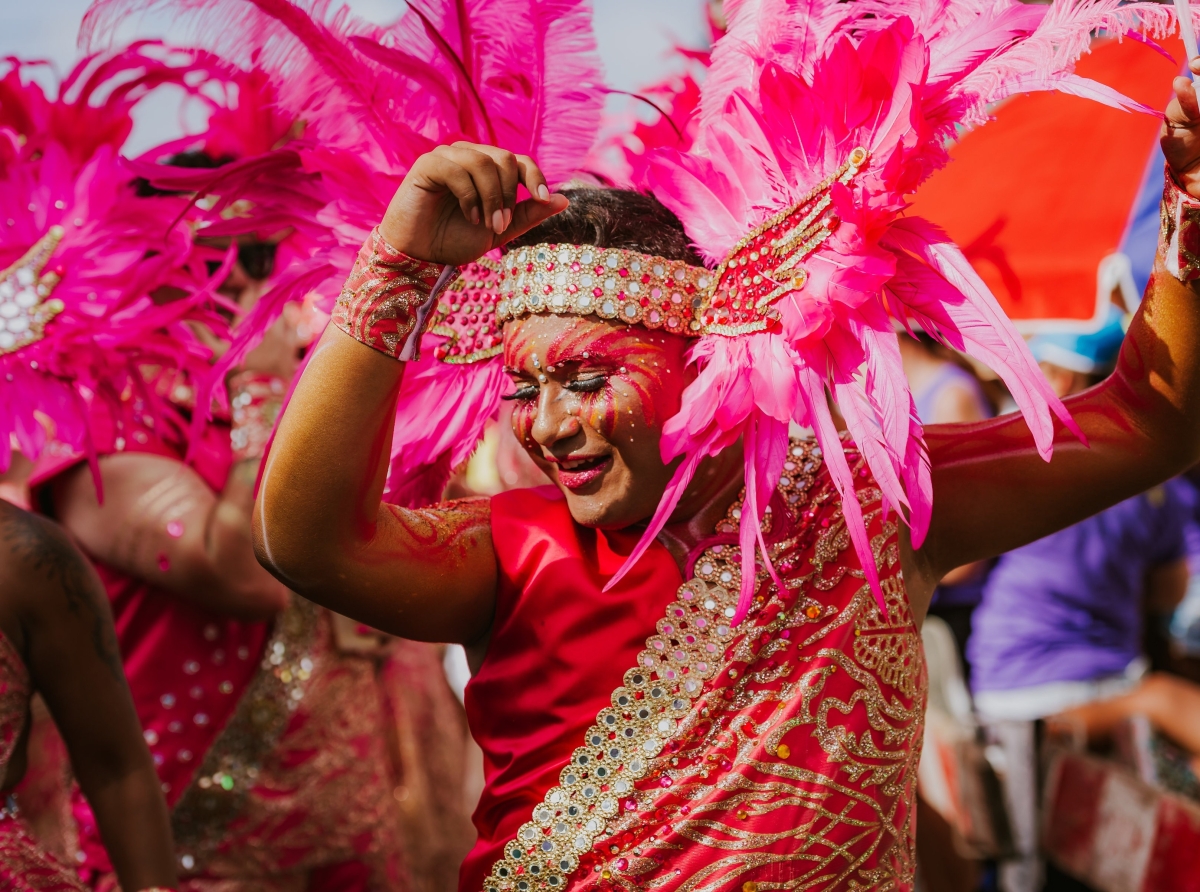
{"x": 275, "y": 775}
{"x": 697, "y": 655}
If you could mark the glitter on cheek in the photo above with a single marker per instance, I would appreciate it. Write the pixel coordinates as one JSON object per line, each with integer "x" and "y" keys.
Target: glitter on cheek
{"x": 174, "y": 529}
{"x": 523, "y": 416}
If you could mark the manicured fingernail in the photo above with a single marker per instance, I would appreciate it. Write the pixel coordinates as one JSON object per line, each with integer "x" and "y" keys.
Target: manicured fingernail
{"x": 543, "y": 192}
{"x": 497, "y": 221}
{"x": 507, "y": 218}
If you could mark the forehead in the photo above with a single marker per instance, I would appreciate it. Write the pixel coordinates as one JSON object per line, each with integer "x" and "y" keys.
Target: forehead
{"x": 558, "y": 339}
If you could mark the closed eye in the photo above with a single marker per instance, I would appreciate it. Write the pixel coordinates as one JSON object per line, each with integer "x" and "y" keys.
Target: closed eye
{"x": 588, "y": 385}
{"x": 524, "y": 392}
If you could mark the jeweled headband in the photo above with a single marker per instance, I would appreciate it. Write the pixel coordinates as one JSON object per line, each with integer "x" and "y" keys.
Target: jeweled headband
{"x": 626, "y": 286}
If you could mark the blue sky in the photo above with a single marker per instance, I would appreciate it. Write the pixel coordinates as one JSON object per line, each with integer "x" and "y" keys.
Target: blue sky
{"x": 635, "y": 37}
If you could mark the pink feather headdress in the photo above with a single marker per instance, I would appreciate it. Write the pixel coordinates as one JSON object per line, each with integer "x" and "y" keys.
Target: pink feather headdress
{"x": 83, "y": 258}
{"x": 520, "y": 74}
{"x": 817, "y": 120}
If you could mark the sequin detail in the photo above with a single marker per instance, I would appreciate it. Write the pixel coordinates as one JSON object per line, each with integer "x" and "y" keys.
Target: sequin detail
{"x": 317, "y": 792}
{"x": 25, "y": 303}
{"x": 231, "y": 766}
{"x": 609, "y": 283}
{"x": 466, "y": 315}
{"x": 1179, "y": 232}
{"x": 780, "y": 752}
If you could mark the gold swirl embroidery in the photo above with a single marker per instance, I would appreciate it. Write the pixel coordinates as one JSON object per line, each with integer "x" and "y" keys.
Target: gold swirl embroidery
{"x": 716, "y": 762}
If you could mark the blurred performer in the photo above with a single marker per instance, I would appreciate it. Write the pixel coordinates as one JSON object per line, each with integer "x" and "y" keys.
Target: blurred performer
{"x": 78, "y": 262}
{"x": 275, "y": 773}
{"x": 56, "y": 638}
{"x": 1060, "y": 624}
{"x": 423, "y": 801}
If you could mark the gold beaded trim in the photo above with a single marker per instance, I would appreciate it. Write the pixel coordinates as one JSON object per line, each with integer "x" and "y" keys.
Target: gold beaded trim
{"x": 24, "y": 289}
{"x": 670, "y": 676}
{"x": 645, "y": 712}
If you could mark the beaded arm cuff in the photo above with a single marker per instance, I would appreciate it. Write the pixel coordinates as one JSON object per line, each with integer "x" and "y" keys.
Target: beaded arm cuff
{"x": 255, "y": 400}
{"x": 387, "y": 298}
{"x": 1179, "y": 236}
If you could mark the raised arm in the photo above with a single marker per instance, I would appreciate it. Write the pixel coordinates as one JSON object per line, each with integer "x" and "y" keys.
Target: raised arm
{"x": 320, "y": 523}
{"x": 992, "y": 492}
{"x": 162, "y": 523}
{"x": 55, "y": 611}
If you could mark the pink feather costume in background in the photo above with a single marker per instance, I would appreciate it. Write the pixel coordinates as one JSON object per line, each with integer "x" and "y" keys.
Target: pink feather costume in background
{"x": 274, "y": 776}
{"x": 79, "y": 261}
{"x": 522, "y": 74}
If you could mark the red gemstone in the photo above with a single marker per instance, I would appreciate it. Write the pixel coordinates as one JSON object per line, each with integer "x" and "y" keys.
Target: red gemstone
{"x": 622, "y": 272}
{"x": 597, "y": 292}
{"x": 550, "y": 267}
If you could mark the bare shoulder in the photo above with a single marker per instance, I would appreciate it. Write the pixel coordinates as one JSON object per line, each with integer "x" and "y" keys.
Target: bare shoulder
{"x": 54, "y": 588}
{"x": 35, "y": 551}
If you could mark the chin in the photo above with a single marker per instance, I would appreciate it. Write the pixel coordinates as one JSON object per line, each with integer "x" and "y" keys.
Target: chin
{"x": 607, "y": 511}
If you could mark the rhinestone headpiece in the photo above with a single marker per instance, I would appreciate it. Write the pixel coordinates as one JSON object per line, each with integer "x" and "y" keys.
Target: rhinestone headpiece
{"x": 583, "y": 280}
{"x": 25, "y": 302}
{"x": 626, "y": 286}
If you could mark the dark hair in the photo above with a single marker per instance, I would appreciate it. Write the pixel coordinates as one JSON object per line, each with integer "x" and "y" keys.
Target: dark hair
{"x": 256, "y": 258}
{"x": 615, "y": 218}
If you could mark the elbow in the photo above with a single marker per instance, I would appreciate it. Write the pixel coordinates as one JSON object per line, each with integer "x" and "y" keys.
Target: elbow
{"x": 294, "y": 560}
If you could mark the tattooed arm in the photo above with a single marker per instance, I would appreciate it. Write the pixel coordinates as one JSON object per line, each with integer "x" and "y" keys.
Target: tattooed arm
{"x": 162, "y": 523}
{"x": 55, "y": 612}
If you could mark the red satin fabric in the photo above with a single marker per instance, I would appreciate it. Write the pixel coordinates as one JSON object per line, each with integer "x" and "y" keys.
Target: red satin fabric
{"x": 559, "y": 648}
{"x": 174, "y": 652}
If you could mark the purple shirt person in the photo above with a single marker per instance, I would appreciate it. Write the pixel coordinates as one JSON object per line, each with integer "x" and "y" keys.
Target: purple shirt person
{"x": 1068, "y": 607}
{"x": 1061, "y": 619}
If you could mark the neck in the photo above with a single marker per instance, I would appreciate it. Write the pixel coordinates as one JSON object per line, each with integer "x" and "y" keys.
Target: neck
{"x": 717, "y": 483}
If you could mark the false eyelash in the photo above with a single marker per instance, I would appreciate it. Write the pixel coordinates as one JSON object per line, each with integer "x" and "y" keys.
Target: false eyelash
{"x": 526, "y": 392}
{"x": 588, "y": 385}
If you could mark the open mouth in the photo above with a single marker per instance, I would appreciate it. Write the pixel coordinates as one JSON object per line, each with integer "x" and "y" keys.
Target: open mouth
{"x": 578, "y": 473}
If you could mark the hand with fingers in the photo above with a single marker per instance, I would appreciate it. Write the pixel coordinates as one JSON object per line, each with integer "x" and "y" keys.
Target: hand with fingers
{"x": 460, "y": 201}
{"x": 1180, "y": 135}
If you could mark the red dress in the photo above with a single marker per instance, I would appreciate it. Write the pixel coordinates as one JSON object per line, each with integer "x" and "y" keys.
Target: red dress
{"x": 24, "y": 865}
{"x": 634, "y": 740}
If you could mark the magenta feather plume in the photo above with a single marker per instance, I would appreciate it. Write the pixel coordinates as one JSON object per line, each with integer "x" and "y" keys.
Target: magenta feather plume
{"x": 793, "y": 87}
{"x": 85, "y": 264}
{"x": 520, "y": 74}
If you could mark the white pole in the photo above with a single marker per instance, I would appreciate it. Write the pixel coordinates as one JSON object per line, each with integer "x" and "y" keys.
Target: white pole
{"x": 1187, "y": 31}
